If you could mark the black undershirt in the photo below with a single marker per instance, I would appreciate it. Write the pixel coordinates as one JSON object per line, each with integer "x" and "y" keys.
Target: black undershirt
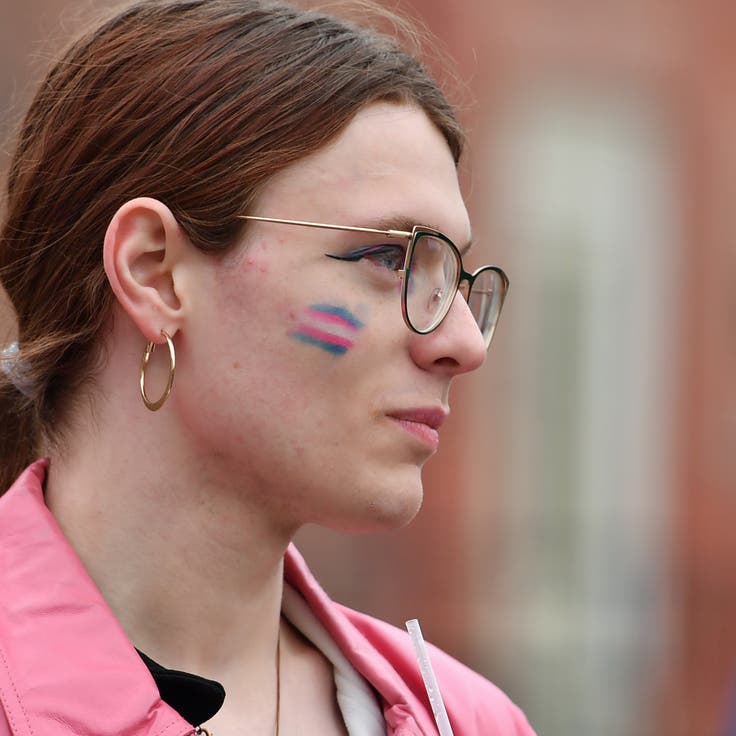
{"x": 196, "y": 699}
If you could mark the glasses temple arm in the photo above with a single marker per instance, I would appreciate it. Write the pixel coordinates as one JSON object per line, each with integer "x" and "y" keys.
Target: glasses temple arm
{"x": 347, "y": 228}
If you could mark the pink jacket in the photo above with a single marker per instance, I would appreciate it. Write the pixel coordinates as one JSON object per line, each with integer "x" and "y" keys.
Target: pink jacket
{"x": 66, "y": 665}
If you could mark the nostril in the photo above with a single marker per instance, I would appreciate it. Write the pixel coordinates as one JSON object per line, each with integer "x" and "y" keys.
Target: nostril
{"x": 447, "y": 363}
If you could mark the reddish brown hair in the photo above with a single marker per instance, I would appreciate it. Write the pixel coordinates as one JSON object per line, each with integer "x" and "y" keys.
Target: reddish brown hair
{"x": 195, "y": 103}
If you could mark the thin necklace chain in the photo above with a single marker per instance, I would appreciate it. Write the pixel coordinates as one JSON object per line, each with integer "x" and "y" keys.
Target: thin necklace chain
{"x": 202, "y": 731}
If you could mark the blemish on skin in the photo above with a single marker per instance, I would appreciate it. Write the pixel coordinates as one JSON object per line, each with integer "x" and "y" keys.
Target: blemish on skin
{"x": 236, "y": 365}
{"x": 328, "y": 327}
{"x": 255, "y": 258}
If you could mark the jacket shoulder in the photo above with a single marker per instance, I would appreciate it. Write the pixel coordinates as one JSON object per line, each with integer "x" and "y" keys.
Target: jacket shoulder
{"x": 470, "y": 698}
{"x": 4, "y": 725}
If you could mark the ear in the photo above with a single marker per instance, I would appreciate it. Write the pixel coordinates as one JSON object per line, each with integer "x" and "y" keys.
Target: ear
{"x": 143, "y": 244}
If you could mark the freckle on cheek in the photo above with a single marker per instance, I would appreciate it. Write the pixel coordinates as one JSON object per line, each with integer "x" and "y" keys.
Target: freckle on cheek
{"x": 236, "y": 365}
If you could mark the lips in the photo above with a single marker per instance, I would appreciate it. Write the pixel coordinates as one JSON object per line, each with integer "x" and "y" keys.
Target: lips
{"x": 432, "y": 417}
{"x": 421, "y": 423}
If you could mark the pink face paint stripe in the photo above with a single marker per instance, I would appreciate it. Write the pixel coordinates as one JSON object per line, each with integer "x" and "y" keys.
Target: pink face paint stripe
{"x": 323, "y": 336}
{"x": 333, "y": 329}
{"x": 335, "y": 319}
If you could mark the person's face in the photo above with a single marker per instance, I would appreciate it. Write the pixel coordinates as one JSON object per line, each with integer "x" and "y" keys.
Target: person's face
{"x": 299, "y": 381}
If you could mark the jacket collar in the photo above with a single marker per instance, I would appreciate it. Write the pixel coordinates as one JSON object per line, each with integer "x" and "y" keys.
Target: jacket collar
{"x": 65, "y": 663}
{"x": 381, "y": 653}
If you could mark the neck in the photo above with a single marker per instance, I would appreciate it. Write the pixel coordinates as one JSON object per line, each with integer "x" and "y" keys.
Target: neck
{"x": 191, "y": 568}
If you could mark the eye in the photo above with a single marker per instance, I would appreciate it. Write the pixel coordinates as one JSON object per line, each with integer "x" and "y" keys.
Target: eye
{"x": 386, "y": 256}
{"x": 436, "y": 297}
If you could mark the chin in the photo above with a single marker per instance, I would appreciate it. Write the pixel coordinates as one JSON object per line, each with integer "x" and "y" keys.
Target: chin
{"x": 394, "y": 507}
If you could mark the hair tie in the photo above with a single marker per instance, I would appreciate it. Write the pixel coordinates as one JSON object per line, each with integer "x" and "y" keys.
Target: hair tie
{"x": 16, "y": 369}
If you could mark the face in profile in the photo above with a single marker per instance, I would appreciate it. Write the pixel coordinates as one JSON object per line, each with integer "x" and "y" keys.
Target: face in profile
{"x": 300, "y": 383}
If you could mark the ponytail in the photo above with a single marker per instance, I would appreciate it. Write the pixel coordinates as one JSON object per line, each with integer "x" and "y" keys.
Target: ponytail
{"x": 17, "y": 421}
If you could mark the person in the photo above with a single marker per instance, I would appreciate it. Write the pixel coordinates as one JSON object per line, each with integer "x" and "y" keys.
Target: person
{"x": 233, "y": 242}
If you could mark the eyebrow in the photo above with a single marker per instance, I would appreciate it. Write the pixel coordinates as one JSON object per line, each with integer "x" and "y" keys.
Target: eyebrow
{"x": 407, "y": 225}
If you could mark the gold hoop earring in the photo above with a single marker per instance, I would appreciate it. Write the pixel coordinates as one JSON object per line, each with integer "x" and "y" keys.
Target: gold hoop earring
{"x": 150, "y": 347}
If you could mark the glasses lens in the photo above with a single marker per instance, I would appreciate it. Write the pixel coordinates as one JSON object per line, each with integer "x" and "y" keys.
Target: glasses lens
{"x": 431, "y": 282}
{"x": 486, "y": 299}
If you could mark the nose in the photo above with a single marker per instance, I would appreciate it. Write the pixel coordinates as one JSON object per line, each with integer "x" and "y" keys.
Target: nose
{"x": 455, "y": 347}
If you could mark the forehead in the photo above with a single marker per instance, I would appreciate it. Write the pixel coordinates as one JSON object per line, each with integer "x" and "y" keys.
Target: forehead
{"x": 390, "y": 163}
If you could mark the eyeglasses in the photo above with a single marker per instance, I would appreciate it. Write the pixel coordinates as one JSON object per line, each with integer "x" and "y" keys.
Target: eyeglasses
{"x": 432, "y": 274}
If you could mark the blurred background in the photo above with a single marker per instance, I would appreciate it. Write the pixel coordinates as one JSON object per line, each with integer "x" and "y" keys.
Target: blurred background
{"x": 578, "y": 539}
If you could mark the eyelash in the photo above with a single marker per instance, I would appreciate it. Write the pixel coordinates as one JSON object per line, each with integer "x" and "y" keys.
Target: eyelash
{"x": 374, "y": 251}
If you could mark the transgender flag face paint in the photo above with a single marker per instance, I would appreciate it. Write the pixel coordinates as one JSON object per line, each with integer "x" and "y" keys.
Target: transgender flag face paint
{"x": 328, "y": 327}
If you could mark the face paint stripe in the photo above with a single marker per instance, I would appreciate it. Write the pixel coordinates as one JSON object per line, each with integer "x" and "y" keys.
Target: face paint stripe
{"x": 328, "y": 327}
{"x": 324, "y": 337}
{"x": 335, "y": 319}
{"x": 343, "y": 331}
{"x": 329, "y": 347}
{"x": 327, "y": 310}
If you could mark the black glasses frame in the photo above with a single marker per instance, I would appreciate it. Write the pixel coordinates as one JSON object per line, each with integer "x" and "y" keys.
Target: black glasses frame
{"x": 463, "y": 277}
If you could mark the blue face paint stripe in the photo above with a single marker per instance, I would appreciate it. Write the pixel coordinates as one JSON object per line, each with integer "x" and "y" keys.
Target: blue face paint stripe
{"x": 328, "y": 346}
{"x": 339, "y": 312}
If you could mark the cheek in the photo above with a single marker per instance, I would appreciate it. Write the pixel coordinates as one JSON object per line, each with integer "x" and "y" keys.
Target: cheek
{"x": 328, "y": 327}
{"x": 253, "y": 263}
{"x": 255, "y": 258}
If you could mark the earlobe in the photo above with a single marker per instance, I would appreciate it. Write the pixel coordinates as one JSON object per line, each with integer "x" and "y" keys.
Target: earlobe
{"x": 142, "y": 245}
